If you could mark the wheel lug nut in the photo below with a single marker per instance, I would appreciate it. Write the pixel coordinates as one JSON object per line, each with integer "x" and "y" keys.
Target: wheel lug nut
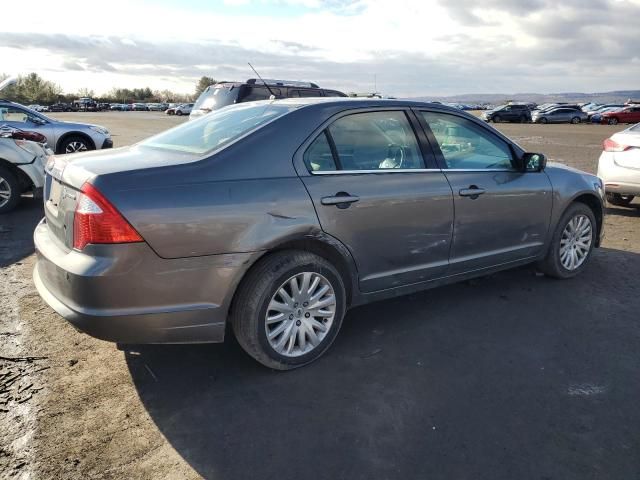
{"x": 291, "y": 317}
{"x": 298, "y": 323}
{"x": 307, "y": 314}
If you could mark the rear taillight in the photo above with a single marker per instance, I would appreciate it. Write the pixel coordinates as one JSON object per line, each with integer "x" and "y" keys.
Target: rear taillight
{"x": 96, "y": 220}
{"x": 613, "y": 146}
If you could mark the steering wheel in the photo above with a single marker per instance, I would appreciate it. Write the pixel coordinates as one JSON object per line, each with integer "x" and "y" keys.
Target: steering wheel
{"x": 395, "y": 157}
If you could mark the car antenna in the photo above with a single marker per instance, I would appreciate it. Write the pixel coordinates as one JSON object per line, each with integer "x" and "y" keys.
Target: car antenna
{"x": 265, "y": 83}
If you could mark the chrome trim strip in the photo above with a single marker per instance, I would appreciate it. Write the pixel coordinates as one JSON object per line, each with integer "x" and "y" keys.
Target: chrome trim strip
{"x": 381, "y": 170}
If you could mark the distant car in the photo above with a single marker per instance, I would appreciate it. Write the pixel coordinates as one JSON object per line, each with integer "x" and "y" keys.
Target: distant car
{"x": 139, "y": 107}
{"x": 630, "y": 114}
{"x": 275, "y": 217}
{"x": 171, "y": 110}
{"x": 560, "y": 115}
{"x": 599, "y": 109}
{"x": 223, "y": 94}
{"x": 596, "y": 117}
{"x": 618, "y": 166}
{"x": 61, "y": 107}
{"x": 184, "y": 109}
{"x": 62, "y": 137}
{"x": 23, "y": 157}
{"x": 156, "y": 107}
{"x": 508, "y": 113}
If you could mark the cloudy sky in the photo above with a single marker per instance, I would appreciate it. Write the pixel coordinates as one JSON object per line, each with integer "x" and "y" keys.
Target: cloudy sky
{"x": 410, "y": 47}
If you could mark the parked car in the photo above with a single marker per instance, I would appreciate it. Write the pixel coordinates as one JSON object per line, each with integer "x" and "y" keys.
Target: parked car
{"x": 223, "y": 94}
{"x": 61, "y": 107}
{"x": 85, "y": 104}
{"x": 596, "y": 117}
{"x": 139, "y": 107}
{"x": 183, "y": 109}
{"x": 156, "y": 107}
{"x": 560, "y": 115}
{"x": 618, "y": 166}
{"x": 278, "y": 216}
{"x": 629, "y": 114}
{"x": 22, "y": 159}
{"x": 599, "y": 109}
{"x": 62, "y": 137}
{"x": 508, "y": 113}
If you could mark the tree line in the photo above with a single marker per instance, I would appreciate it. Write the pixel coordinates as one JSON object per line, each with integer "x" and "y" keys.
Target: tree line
{"x": 33, "y": 89}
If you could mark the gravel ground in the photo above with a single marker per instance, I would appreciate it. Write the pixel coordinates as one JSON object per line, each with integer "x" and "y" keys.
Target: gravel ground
{"x": 509, "y": 376}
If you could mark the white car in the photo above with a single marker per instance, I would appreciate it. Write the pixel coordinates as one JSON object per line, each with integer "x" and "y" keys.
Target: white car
{"x": 22, "y": 165}
{"x": 184, "y": 109}
{"x": 619, "y": 166}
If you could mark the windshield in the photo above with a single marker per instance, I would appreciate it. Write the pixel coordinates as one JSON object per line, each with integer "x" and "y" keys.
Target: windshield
{"x": 217, "y": 129}
{"x": 215, "y": 97}
{"x": 635, "y": 128}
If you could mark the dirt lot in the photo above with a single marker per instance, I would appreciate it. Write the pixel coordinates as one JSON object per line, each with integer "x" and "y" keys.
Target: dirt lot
{"x": 512, "y": 376}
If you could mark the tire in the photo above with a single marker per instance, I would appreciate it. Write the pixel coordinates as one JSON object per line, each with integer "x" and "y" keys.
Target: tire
{"x": 523, "y": 119}
{"x": 74, "y": 144}
{"x": 544, "y": 120}
{"x": 9, "y": 190}
{"x": 179, "y": 113}
{"x": 262, "y": 286}
{"x": 619, "y": 200}
{"x": 575, "y": 120}
{"x": 613, "y": 121}
{"x": 552, "y": 265}
{"x": 497, "y": 119}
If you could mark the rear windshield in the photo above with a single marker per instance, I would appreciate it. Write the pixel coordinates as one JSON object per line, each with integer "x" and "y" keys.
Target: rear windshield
{"x": 217, "y": 129}
{"x": 216, "y": 97}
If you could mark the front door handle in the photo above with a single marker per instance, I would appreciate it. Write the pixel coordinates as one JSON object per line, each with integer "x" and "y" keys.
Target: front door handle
{"x": 473, "y": 192}
{"x": 340, "y": 200}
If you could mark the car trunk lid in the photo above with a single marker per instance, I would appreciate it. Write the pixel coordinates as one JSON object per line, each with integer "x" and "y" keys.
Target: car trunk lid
{"x": 629, "y": 158}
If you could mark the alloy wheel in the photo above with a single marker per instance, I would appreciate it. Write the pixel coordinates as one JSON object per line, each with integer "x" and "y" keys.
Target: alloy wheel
{"x": 300, "y": 314}
{"x": 5, "y": 192}
{"x": 75, "y": 146}
{"x": 575, "y": 243}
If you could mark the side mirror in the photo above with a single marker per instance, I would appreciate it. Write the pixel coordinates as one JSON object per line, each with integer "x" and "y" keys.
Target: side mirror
{"x": 534, "y": 162}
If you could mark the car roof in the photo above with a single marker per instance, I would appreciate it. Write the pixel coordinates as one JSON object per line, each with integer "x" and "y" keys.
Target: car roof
{"x": 350, "y": 102}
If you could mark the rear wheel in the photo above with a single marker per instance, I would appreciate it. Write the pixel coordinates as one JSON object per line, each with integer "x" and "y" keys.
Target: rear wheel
{"x": 179, "y": 113}
{"x": 497, "y": 119}
{"x": 9, "y": 190}
{"x": 523, "y": 119}
{"x": 575, "y": 120}
{"x": 544, "y": 120}
{"x": 619, "y": 200}
{"x": 289, "y": 309}
{"x": 613, "y": 121}
{"x": 572, "y": 243}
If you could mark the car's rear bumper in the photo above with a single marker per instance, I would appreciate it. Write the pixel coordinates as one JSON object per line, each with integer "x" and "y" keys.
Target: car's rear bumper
{"x": 616, "y": 178}
{"x": 127, "y": 294}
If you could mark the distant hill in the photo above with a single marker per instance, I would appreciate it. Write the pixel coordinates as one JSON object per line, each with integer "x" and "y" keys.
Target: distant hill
{"x": 618, "y": 96}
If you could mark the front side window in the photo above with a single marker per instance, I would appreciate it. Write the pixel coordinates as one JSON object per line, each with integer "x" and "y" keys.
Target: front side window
{"x": 467, "y": 146}
{"x": 376, "y": 141}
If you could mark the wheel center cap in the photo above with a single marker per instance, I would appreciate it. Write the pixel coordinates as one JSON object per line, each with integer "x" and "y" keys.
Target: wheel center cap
{"x": 299, "y": 313}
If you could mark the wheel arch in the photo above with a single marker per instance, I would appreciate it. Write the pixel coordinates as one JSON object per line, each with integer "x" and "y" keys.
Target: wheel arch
{"x": 74, "y": 134}
{"x": 595, "y": 204}
{"x": 322, "y": 245}
{"x": 25, "y": 181}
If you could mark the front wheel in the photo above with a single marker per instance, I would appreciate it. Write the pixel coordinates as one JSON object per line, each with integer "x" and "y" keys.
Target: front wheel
{"x": 572, "y": 243}
{"x": 543, "y": 120}
{"x": 619, "y": 200}
{"x": 179, "y": 113}
{"x": 289, "y": 309}
{"x": 613, "y": 121}
{"x": 74, "y": 144}
{"x": 497, "y": 119}
{"x": 575, "y": 120}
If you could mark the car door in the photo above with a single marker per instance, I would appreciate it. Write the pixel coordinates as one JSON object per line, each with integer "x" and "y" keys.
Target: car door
{"x": 502, "y": 213}
{"x": 633, "y": 116}
{"x": 376, "y": 191}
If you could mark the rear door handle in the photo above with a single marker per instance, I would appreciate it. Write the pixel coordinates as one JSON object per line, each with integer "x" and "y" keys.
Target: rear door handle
{"x": 340, "y": 200}
{"x": 473, "y": 191}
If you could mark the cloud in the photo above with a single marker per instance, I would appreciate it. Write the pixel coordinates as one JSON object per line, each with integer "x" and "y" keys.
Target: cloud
{"x": 414, "y": 47}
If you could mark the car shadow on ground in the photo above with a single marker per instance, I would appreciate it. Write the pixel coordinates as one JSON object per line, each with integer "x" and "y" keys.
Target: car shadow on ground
{"x": 16, "y": 231}
{"x": 509, "y": 376}
{"x": 633, "y": 211}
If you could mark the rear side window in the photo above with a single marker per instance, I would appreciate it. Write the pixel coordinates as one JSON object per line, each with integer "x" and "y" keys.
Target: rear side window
{"x": 366, "y": 141}
{"x": 252, "y": 94}
{"x": 218, "y": 128}
{"x": 467, "y": 146}
{"x": 333, "y": 93}
{"x": 304, "y": 93}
